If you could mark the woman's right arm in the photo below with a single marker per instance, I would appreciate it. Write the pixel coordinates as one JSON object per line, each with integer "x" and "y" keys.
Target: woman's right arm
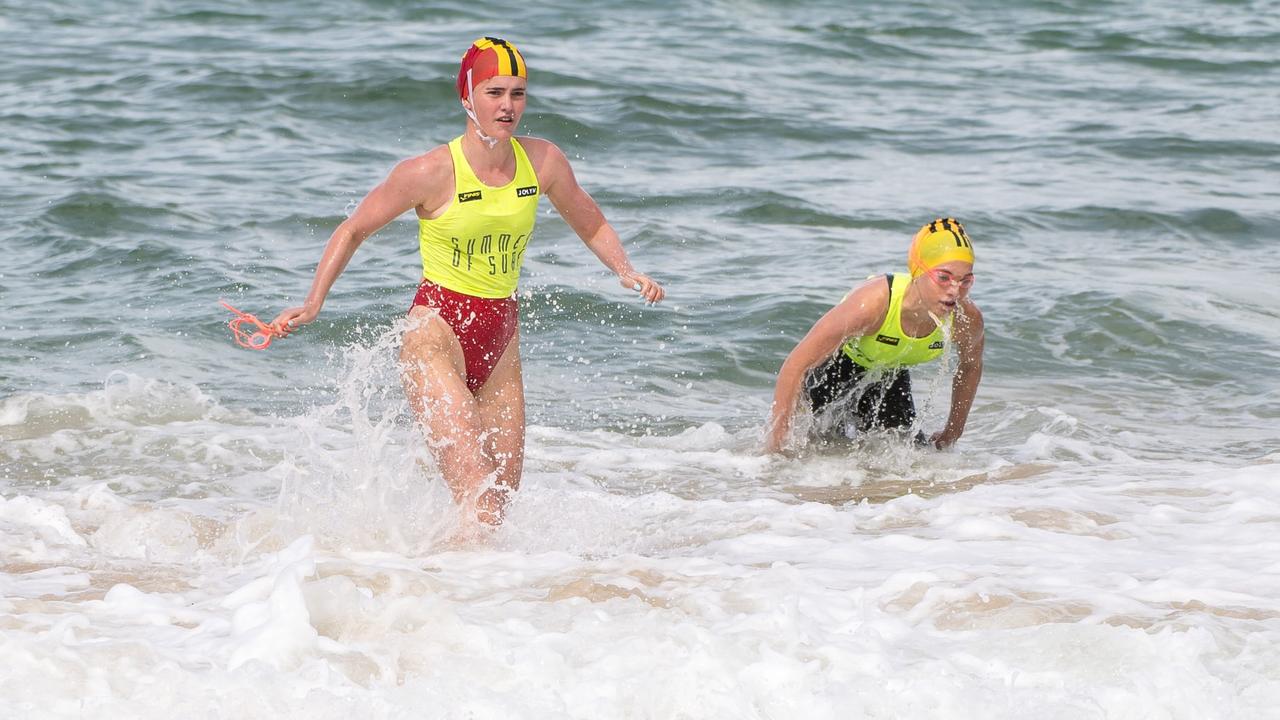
{"x": 409, "y": 185}
{"x": 858, "y": 314}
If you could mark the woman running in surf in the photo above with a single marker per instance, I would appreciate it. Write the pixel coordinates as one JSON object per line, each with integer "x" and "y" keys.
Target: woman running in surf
{"x": 476, "y": 200}
{"x": 853, "y": 362}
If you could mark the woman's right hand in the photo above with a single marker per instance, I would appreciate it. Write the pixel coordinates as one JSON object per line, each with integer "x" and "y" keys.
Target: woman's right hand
{"x": 293, "y": 319}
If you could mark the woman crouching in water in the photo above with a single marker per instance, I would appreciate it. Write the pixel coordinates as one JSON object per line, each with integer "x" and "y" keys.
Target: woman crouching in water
{"x": 853, "y": 361}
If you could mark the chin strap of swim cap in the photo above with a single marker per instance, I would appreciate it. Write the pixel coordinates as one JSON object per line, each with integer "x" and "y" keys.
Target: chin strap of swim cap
{"x": 491, "y": 141}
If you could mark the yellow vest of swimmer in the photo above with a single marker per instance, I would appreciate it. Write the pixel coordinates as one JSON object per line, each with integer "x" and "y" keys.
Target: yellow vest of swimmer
{"x": 890, "y": 346}
{"x": 477, "y": 246}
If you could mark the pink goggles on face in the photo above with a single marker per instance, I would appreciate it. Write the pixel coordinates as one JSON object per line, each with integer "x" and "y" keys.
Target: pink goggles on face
{"x": 943, "y": 278}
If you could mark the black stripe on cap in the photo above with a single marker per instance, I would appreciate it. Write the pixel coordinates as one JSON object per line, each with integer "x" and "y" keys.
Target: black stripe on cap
{"x": 511, "y": 53}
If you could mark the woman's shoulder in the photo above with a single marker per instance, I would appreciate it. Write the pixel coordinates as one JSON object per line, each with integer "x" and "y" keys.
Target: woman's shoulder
{"x": 548, "y": 161}
{"x": 970, "y": 310}
{"x": 969, "y": 326}
{"x": 868, "y": 298}
{"x": 437, "y": 155}
{"x": 540, "y": 150}
{"x": 531, "y": 143}
{"x": 432, "y": 164}
{"x": 875, "y": 287}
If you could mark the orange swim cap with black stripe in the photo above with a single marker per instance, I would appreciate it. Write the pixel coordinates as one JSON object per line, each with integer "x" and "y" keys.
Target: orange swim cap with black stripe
{"x": 940, "y": 241}
{"x": 486, "y": 58}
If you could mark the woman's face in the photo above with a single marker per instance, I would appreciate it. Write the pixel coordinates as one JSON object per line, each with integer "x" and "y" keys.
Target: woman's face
{"x": 944, "y": 286}
{"x": 498, "y": 104}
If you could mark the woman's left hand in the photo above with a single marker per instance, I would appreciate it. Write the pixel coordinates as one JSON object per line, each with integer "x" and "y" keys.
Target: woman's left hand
{"x": 643, "y": 284}
{"x": 942, "y": 440}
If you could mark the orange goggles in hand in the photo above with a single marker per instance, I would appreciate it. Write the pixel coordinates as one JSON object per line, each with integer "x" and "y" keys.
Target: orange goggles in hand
{"x": 245, "y": 338}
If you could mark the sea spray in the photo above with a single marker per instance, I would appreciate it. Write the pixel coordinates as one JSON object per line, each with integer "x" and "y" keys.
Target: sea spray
{"x": 360, "y": 474}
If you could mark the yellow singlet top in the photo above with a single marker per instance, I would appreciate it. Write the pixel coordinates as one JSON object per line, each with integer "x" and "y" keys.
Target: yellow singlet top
{"x": 477, "y": 246}
{"x": 890, "y": 346}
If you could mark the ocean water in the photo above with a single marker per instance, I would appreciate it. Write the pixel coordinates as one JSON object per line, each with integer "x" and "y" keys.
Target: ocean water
{"x": 189, "y": 528}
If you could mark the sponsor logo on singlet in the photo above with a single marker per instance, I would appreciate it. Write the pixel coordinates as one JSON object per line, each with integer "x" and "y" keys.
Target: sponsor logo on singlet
{"x": 527, "y": 191}
{"x": 468, "y": 196}
{"x": 887, "y": 339}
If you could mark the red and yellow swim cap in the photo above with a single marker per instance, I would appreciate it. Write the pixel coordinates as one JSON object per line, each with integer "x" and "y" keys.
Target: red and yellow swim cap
{"x": 940, "y": 241}
{"x": 486, "y": 58}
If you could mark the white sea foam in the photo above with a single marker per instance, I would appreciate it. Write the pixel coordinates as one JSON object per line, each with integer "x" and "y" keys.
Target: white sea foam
{"x": 637, "y": 576}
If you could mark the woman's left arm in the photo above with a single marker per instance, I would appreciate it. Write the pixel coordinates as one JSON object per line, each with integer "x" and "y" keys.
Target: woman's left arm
{"x": 970, "y": 339}
{"x": 582, "y": 214}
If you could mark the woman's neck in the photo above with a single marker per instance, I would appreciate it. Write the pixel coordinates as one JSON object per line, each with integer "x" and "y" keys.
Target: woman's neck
{"x": 490, "y": 164}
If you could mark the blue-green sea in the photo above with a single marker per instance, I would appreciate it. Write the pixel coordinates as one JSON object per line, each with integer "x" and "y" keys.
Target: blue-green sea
{"x": 189, "y": 528}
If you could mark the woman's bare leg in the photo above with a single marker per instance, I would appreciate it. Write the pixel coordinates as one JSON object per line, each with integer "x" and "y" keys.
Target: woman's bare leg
{"x": 434, "y": 375}
{"x": 500, "y": 403}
